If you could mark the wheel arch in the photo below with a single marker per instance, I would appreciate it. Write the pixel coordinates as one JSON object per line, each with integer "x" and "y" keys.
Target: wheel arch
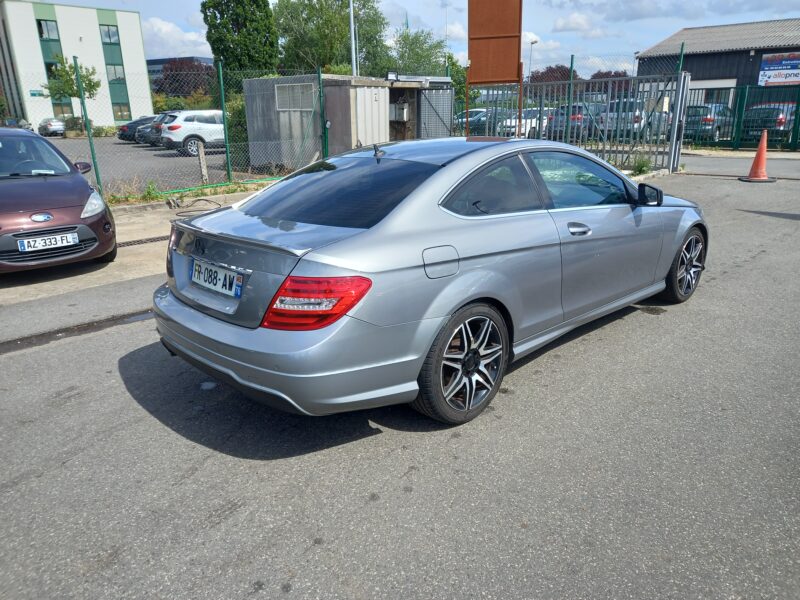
{"x": 499, "y": 307}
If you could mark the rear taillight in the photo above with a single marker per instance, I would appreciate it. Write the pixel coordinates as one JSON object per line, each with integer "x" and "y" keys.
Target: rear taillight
{"x": 171, "y": 245}
{"x": 173, "y": 127}
{"x": 707, "y": 119}
{"x": 781, "y": 120}
{"x": 123, "y": 128}
{"x": 304, "y": 303}
{"x": 576, "y": 118}
{"x": 157, "y": 127}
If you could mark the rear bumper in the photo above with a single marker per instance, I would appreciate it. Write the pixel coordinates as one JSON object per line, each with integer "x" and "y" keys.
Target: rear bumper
{"x": 170, "y": 144}
{"x": 349, "y": 365}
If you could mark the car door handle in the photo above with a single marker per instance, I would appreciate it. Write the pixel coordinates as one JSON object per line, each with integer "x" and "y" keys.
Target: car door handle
{"x": 579, "y": 229}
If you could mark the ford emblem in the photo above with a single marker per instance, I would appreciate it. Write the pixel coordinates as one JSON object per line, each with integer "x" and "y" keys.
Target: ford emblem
{"x": 41, "y": 217}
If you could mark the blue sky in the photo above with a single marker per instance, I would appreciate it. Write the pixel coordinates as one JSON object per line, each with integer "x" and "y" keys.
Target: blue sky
{"x": 602, "y": 33}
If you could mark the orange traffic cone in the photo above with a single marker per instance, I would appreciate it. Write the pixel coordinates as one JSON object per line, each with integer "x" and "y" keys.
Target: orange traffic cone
{"x": 758, "y": 172}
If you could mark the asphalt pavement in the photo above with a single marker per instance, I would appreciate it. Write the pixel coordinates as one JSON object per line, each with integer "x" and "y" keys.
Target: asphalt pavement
{"x": 127, "y": 168}
{"x": 736, "y": 166}
{"x": 652, "y": 454}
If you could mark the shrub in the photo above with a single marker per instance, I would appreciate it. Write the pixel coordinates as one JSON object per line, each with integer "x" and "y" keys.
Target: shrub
{"x": 641, "y": 165}
{"x": 162, "y": 102}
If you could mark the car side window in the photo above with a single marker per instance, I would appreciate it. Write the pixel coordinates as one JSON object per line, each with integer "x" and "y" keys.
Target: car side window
{"x": 503, "y": 187}
{"x": 189, "y": 119}
{"x": 207, "y": 119}
{"x": 574, "y": 181}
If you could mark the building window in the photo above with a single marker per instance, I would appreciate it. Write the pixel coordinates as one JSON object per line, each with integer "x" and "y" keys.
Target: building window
{"x": 116, "y": 73}
{"x": 62, "y": 111}
{"x": 109, "y": 34}
{"x": 48, "y": 30}
{"x": 122, "y": 112}
{"x": 294, "y": 96}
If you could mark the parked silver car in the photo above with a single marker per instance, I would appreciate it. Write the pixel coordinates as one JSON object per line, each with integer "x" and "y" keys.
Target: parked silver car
{"x": 51, "y": 126}
{"x": 417, "y": 271}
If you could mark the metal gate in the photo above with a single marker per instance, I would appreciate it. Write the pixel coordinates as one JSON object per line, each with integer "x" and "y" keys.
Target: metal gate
{"x": 435, "y": 113}
{"x": 629, "y": 121}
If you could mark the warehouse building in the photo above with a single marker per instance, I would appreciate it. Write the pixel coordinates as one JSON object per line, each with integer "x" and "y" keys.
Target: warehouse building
{"x": 32, "y": 37}
{"x": 763, "y": 53}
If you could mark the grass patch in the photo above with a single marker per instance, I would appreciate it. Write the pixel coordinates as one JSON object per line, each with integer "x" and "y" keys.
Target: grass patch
{"x": 641, "y": 165}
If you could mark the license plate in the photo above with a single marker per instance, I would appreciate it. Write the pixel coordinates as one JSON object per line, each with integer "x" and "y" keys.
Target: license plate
{"x": 216, "y": 278}
{"x": 48, "y": 241}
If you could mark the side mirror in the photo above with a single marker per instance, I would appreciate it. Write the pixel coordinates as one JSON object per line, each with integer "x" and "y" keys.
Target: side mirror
{"x": 83, "y": 167}
{"x": 650, "y": 195}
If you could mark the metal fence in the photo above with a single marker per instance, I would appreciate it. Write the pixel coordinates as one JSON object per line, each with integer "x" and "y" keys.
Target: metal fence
{"x": 138, "y": 145}
{"x": 627, "y": 121}
{"x": 735, "y": 117}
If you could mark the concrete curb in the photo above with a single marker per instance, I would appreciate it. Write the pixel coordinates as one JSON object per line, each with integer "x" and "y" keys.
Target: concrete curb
{"x": 650, "y": 175}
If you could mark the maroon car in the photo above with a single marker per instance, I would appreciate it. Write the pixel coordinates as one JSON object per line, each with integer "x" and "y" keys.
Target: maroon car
{"x": 49, "y": 214}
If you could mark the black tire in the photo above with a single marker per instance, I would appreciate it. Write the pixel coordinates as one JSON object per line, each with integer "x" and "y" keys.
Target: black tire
{"x": 463, "y": 405}
{"x": 676, "y": 290}
{"x": 108, "y": 257}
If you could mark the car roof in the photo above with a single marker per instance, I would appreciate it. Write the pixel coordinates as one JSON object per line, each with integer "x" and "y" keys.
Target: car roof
{"x": 439, "y": 151}
{"x": 16, "y": 131}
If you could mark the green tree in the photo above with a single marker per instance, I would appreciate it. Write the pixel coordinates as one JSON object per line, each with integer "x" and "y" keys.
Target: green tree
{"x": 242, "y": 33}
{"x": 459, "y": 76}
{"x": 418, "y": 52}
{"x": 3, "y": 106}
{"x": 317, "y": 33}
{"x": 63, "y": 84}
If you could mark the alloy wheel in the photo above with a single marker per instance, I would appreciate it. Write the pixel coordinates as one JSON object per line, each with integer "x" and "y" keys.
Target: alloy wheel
{"x": 690, "y": 265}
{"x": 192, "y": 147}
{"x": 472, "y": 361}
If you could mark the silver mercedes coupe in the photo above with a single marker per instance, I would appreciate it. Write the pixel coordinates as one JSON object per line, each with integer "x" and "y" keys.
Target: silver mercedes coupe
{"x": 415, "y": 272}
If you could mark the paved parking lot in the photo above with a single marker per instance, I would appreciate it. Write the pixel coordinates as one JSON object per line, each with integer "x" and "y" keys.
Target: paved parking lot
{"x": 126, "y": 168}
{"x": 653, "y": 454}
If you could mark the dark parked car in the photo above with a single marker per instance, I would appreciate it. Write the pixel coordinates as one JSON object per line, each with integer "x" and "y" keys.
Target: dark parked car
{"x": 775, "y": 117}
{"x": 49, "y": 214}
{"x": 151, "y": 133}
{"x": 582, "y": 120}
{"x": 127, "y": 132}
{"x": 488, "y": 122}
{"x": 417, "y": 272}
{"x": 708, "y": 122}
{"x": 51, "y": 126}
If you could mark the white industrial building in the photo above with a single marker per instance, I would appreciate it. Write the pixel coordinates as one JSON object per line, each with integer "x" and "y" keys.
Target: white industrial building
{"x": 34, "y": 34}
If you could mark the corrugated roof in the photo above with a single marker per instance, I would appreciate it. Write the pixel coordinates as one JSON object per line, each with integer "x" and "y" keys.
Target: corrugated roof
{"x": 780, "y": 33}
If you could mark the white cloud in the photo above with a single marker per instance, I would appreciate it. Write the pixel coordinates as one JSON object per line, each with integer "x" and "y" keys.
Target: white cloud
{"x": 574, "y": 22}
{"x": 456, "y": 31}
{"x": 461, "y": 57}
{"x": 195, "y": 19}
{"x": 164, "y": 39}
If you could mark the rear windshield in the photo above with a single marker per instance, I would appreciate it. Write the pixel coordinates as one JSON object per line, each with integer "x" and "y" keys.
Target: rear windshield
{"x": 697, "y": 111}
{"x": 340, "y": 192}
{"x": 624, "y": 106}
{"x": 763, "y": 112}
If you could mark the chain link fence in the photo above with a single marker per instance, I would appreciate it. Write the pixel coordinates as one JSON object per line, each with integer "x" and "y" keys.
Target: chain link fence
{"x": 177, "y": 130}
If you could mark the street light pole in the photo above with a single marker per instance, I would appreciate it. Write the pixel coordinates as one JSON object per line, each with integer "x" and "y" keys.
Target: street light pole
{"x": 530, "y": 70}
{"x": 352, "y": 40}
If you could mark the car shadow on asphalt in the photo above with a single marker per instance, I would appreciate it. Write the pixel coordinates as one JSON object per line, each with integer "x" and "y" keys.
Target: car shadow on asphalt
{"x": 54, "y": 273}
{"x": 579, "y": 332}
{"x": 213, "y": 414}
